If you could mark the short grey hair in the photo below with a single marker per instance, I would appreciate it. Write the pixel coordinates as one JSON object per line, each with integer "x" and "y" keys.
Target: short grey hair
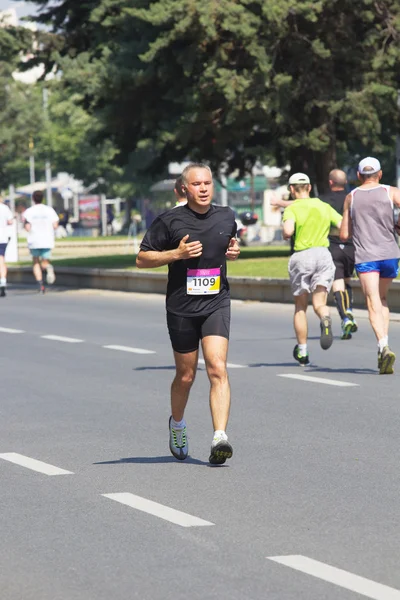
{"x": 194, "y": 165}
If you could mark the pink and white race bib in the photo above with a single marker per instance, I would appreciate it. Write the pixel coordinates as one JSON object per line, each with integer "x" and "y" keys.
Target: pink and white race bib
{"x": 203, "y": 281}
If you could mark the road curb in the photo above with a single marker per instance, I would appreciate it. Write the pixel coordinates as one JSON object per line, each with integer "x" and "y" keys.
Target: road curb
{"x": 260, "y": 289}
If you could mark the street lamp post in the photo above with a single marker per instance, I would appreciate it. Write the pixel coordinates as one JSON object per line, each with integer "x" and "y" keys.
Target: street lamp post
{"x": 31, "y": 162}
{"x": 49, "y": 196}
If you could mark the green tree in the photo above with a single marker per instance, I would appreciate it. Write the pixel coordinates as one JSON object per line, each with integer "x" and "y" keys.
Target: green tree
{"x": 232, "y": 81}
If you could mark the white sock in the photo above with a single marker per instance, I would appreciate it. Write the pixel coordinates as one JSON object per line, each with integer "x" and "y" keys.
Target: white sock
{"x": 178, "y": 424}
{"x": 382, "y": 343}
{"x": 303, "y": 349}
{"x": 3, "y": 282}
{"x": 220, "y": 433}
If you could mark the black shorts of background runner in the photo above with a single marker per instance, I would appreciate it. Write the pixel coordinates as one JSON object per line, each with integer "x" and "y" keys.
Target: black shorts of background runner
{"x": 186, "y": 332}
{"x": 343, "y": 257}
{"x": 3, "y": 248}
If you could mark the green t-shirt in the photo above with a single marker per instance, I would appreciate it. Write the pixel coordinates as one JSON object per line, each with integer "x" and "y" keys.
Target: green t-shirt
{"x": 313, "y": 220}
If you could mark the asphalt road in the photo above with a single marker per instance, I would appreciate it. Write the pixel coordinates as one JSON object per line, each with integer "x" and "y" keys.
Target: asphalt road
{"x": 313, "y": 482}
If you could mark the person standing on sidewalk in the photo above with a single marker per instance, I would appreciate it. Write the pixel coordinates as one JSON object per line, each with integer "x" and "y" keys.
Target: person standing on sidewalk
{"x": 311, "y": 268}
{"x": 343, "y": 257}
{"x": 41, "y": 221}
{"x": 368, "y": 217}
{"x": 6, "y": 219}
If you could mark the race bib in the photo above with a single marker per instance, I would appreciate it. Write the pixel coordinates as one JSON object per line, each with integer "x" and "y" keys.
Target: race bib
{"x": 203, "y": 281}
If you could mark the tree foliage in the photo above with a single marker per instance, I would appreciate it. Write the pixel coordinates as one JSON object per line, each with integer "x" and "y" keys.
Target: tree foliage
{"x": 231, "y": 81}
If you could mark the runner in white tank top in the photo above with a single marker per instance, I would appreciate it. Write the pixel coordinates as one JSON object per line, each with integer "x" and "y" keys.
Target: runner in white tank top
{"x": 368, "y": 219}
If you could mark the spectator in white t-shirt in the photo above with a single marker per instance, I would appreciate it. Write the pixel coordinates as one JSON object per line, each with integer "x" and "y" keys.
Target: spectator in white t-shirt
{"x": 6, "y": 219}
{"x": 41, "y": 221}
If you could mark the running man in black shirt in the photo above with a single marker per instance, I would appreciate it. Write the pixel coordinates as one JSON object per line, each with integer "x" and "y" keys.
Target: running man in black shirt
{"x": 195, "y": 240}
{"x": 343, "y": 257}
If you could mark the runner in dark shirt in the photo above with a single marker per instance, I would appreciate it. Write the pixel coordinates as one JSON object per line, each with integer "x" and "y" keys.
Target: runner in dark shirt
{"x": 343, "y": 257}
{"x": 194, "y": 241}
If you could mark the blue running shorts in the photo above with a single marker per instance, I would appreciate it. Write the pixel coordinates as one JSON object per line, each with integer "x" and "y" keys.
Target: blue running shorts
{"x": 44, "y": 253}
{"x": 387, "y": 269}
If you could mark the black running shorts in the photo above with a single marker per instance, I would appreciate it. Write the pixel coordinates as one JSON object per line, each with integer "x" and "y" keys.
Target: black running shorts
{"x": 186, "y": 332}
{"x": 343, "y": 257}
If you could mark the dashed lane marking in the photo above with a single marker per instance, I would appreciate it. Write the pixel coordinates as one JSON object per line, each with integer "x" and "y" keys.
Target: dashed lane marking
{"x": 319, "y": 380}
{"x": 33, "y": 464}
{"x": 229, "y": 365}
{"x": 158, "y": 510}
{"x": 339, "y": 577}
{"x": 7, "y": 330}
{"x": 60, "y": 338}
{"x": 129, "y": 349}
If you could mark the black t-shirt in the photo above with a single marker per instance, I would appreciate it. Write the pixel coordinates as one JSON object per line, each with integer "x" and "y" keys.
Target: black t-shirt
{"x": 214, "y": 230}
{"x": 336, "y": 200}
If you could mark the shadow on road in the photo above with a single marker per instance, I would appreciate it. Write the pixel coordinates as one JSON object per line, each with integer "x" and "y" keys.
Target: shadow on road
{"x": 354, "y": 371}
{"x": 145, "y": 460}
{"x": 257, "y": 365}
{"x": 157, "y": 368}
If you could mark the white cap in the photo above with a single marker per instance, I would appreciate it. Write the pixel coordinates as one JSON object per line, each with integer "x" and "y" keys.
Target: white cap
{"x": 298, "y": 179}
{"x": 373, "y": 164}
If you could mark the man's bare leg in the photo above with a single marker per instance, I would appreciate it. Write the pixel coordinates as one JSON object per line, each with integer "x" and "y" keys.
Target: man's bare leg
{"x": 3, "y": 276}
{"x": 300, "y": 318}
{"x": 375, "y": 291}
{"x": 186, "y": 366}
{"x": 215, "y": 351}
{"x": 319, "y": 300}
{"x": 300, "y": 352}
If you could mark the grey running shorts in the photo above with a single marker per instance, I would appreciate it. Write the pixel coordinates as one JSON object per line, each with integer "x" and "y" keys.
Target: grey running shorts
{"x": 310, "y": 268}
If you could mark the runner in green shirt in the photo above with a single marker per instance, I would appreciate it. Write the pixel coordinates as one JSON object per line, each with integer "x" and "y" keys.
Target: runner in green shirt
{"x": 311, "y": 268}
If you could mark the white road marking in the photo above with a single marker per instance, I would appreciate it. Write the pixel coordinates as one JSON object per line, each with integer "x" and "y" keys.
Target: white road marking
{"x": 129, "y": 349}
{"x": 60, "y": 338}
{"x": 33, "y": 464}
{"x": 319, "y": 380}
{"x": 6, "y": 330}
{"x": 344, "y": 579}
{"x": 229, "y": 365}
{"x": 158, "y": 510}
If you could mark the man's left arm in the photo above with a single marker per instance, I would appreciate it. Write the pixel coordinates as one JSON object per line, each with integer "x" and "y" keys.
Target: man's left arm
{"x": 233, "y": 250}
{"x": 336, "y": 222}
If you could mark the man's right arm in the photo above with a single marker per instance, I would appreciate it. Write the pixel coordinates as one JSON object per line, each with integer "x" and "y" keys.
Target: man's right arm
{"x": 345, "y": 228}
{"x": 281, "y": 203}
{"x": 149, "y": 259}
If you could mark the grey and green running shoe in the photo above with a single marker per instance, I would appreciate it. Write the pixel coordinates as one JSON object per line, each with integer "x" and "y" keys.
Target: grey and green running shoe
{"x": 302, "y": 360}
{"x": 178, "y": 441}
{"x": 387, "y": 361}
{"x": 326, "y": 337}
{"x": 347, "y": 328}
{"x": 351, "y": 317}
{"x": 220, "y": 451}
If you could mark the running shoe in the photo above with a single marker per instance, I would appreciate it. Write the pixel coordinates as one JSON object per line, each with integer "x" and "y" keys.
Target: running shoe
{"x": 351, "y": 317}
{"x": 347, "y": 328}
{"x": 220, "y": 450}
{"x": 50, "y": 275}
{"x": 326, "y": 338}
{"x": 178, "y": 441}
{"x": 379, "y": 359}
{"x": 2, "y": 291}
{"x": 302, "y": 360}
{"x": 387, "y": 361}
{"x": 41, "y": 288}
